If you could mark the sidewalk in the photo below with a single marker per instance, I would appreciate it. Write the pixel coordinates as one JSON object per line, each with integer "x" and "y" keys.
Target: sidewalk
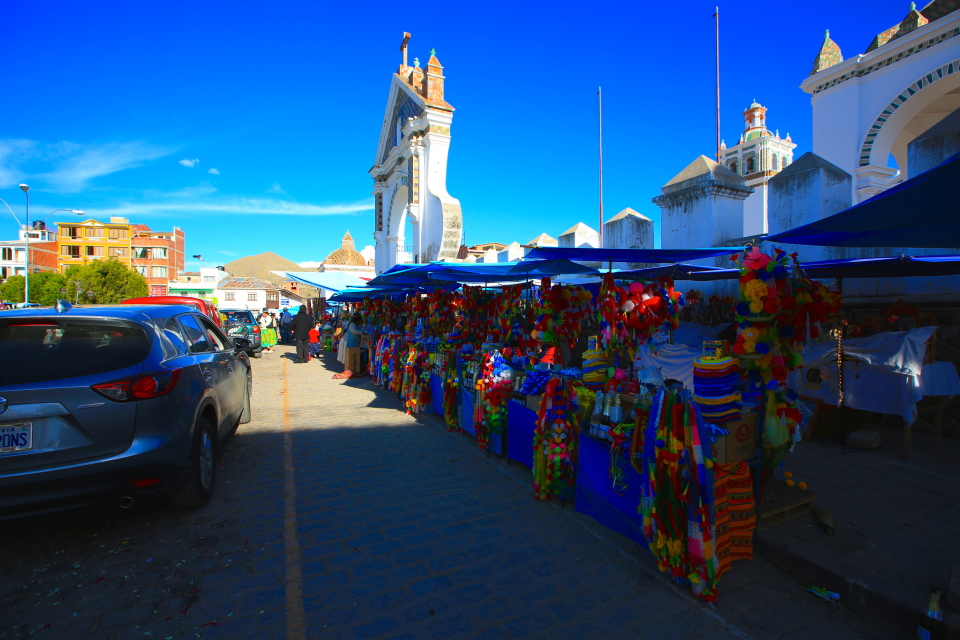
{"x": 896, "y": 524}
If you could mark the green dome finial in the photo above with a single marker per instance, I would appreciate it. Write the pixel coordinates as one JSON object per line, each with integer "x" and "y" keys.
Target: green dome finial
{"x": 913, "y": 6}
{"x": 826, "y": 34}
{"x": 433, "y": 53}
{"x": 416, "y": 62}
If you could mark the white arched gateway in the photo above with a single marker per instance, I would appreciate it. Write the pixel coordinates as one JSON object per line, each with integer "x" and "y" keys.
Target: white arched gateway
{"x": 410, "y": 171}
{"x": 868, "y": 108}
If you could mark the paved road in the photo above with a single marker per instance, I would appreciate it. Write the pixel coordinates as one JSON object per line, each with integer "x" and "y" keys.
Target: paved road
{"x": 338, "y": 516}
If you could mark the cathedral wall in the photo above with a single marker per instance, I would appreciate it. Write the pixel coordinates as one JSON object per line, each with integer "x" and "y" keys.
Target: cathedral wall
{"x": 755, "y": 211}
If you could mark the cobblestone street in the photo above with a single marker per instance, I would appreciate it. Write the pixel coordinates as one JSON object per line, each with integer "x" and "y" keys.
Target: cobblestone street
{"x": 338, "y": 516}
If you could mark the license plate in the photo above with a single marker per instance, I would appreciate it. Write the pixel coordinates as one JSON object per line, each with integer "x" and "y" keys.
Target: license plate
{"x": 16, "y": 437}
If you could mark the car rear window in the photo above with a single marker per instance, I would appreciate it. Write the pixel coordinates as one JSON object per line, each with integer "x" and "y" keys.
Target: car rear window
{"x": 239, "y": 317}
{"x": 40, "y": 350}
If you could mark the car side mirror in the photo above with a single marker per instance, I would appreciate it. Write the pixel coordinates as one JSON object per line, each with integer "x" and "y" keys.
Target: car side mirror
{"x": 241, "y": 344}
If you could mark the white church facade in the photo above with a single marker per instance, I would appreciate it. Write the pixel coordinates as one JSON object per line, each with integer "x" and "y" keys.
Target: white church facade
{"x": 410, "y": 171}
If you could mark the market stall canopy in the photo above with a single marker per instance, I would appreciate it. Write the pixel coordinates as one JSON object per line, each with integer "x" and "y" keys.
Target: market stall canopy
{"x": 921, "y": 212}
{"x": 439, "y": 273}
{"x": 589, "y": 254}
{"x": 509, "y": 271}
{"x": 677, "y": 271}
{"x": 327, "y": 280}
{"x": 893, "y": 267}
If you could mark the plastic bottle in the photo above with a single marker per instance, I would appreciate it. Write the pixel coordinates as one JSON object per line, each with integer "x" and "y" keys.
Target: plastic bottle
{"x": 596, "y": 420}
{"x": 931, "y": 621}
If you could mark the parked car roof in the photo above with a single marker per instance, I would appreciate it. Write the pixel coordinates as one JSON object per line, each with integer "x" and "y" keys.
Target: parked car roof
{"x": 126, "y": 311}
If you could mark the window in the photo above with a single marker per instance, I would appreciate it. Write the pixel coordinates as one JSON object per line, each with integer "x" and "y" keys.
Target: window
{"x": 775, "y": 167}
{"x": 140, "y": 252}
{"x": 251, "y": 297}
{"x": 209, "y": 279}
{"x": 93, "y": 252}
{"x": 7, "y": 253}
{"x": 70, "y": 251}
{"x": 273, "y": 296}
{"x": 230, "y": 295}
{"x": 158, "y": 253}
{"x": 783, "y": 162}
{"x": 158, "y": 290}
{"x": 94, "y": 232}
{"x": 216, "y": 338}
{"x": 70, "y": 232}
{"x": 172, "y": 331}
{"x": 118, "y": 234}
{"x": 733, "y": 166}
{"x": 196, "y": 338}
{"x": 748, "y": 165}
{"x": 158, "y": 272}
{"x": 55, "y": 351}
{"x": 119, "y": 252}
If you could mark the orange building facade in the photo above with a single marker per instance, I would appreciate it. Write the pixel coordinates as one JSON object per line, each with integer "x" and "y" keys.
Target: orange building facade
{"x": 156, "y": 255}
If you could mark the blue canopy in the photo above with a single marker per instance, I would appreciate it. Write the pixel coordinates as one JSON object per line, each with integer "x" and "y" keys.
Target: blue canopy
{"x": 892, "y": 267}
{"x": 440, "y": 273}
{"x": 327, "y": 280}
{"x": 677, "y": 271}
{"x": 590, "y": 254}
{"x": 921, "y": 212}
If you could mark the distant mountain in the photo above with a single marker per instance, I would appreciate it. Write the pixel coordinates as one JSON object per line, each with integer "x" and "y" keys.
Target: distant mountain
{"x": 260, "y": 266}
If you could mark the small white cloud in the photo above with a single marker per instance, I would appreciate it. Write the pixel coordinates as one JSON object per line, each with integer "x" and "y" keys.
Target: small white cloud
{"x": 190, "y": 163}
{"x": 276, "y": 188}
{"x": 213, "y": 171}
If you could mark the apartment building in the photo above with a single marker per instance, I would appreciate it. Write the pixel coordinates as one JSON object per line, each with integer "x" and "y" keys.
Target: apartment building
{"x": 156, "y": 255}
{"x": 43, "y": 252}
{"x": 199, "y": 284}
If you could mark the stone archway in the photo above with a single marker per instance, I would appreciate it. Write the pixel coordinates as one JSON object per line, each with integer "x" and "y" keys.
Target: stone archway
{"x": 397, "y": 215}
{"x": 911, "y": 112}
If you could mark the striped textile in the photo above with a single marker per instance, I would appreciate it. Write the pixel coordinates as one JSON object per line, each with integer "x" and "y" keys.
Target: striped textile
{"x": 736, "y": 513}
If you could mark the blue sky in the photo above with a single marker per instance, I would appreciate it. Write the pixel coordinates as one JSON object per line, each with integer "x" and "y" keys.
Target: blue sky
{"x": 252, "y": 125}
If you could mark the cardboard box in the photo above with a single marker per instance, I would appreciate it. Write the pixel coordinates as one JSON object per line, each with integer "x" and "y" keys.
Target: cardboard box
{"x": 353, "y": 359}
{"x": 741, "y": 444}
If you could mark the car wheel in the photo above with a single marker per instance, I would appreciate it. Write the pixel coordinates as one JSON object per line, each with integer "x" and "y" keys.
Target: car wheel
{"x": 197, "y": 487}
{"x": 257, "y": 354}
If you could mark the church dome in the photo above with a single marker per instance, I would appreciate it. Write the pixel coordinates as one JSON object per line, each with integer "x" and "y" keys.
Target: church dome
{"x": 758, "y": 133}
{"x": 346, "y": 254}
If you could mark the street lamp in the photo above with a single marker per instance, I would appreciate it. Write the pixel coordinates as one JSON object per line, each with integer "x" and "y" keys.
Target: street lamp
{"x": 26, "y": 238}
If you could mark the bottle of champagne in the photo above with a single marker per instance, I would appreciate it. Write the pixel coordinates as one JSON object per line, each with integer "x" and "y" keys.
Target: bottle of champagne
{"x": 607, "y": 407}
{"x": 931, "y": 621}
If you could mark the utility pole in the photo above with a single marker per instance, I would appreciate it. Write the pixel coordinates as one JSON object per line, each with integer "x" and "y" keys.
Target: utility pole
{"x": 600, "y": 117}
{"x": 716, "y": 20}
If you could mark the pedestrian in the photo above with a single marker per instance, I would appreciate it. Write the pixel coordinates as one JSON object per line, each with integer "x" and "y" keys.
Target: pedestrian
{"x": 300, "y": 326}
{"x": 268, "y": 331}
{"x": 285, "y": 320}
{"x": 315, "y": 341}
{"x": 351, "y": 340}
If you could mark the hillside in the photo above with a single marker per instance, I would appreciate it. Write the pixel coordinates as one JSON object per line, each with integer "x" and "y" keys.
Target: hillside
{"x": 260, "y": 266}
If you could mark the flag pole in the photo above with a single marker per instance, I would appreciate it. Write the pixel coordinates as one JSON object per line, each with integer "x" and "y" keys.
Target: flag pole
{"x": 716, "y": 17}
{"x": 600, "y": 118}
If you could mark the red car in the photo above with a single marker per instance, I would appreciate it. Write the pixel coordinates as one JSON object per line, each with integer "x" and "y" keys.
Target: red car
{"x": 204, "y": 307}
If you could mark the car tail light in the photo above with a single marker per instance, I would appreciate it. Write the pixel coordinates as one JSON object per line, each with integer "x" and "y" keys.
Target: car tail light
{"x": 145, "y": 482}
{"x": 142, "y": 387}
{"x": 256, "y": 328}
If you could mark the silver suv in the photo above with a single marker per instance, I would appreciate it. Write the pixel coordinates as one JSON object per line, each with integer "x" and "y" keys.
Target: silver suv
{"x": 115, "y": 403}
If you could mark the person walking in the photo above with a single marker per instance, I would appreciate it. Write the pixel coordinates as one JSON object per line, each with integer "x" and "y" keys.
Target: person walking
{"x": 268, "y": 331}
{"x": 300, "y": 326}
{"x": 285, "y": 320}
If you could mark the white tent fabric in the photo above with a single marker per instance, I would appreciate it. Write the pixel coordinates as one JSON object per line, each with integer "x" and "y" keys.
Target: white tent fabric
{"x": 335, "y": 281}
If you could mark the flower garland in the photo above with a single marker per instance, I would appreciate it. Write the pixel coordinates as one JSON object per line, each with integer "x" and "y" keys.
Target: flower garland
{"x": 555, "y": 443}
{"x": 494, "y": 388}
{"x": 450, "y": 394}
{"x": 676, "y": 493}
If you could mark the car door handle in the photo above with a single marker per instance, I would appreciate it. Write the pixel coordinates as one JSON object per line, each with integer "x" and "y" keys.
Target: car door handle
{"x": 229, "y": 369}
{"x": 207, "y": 375}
